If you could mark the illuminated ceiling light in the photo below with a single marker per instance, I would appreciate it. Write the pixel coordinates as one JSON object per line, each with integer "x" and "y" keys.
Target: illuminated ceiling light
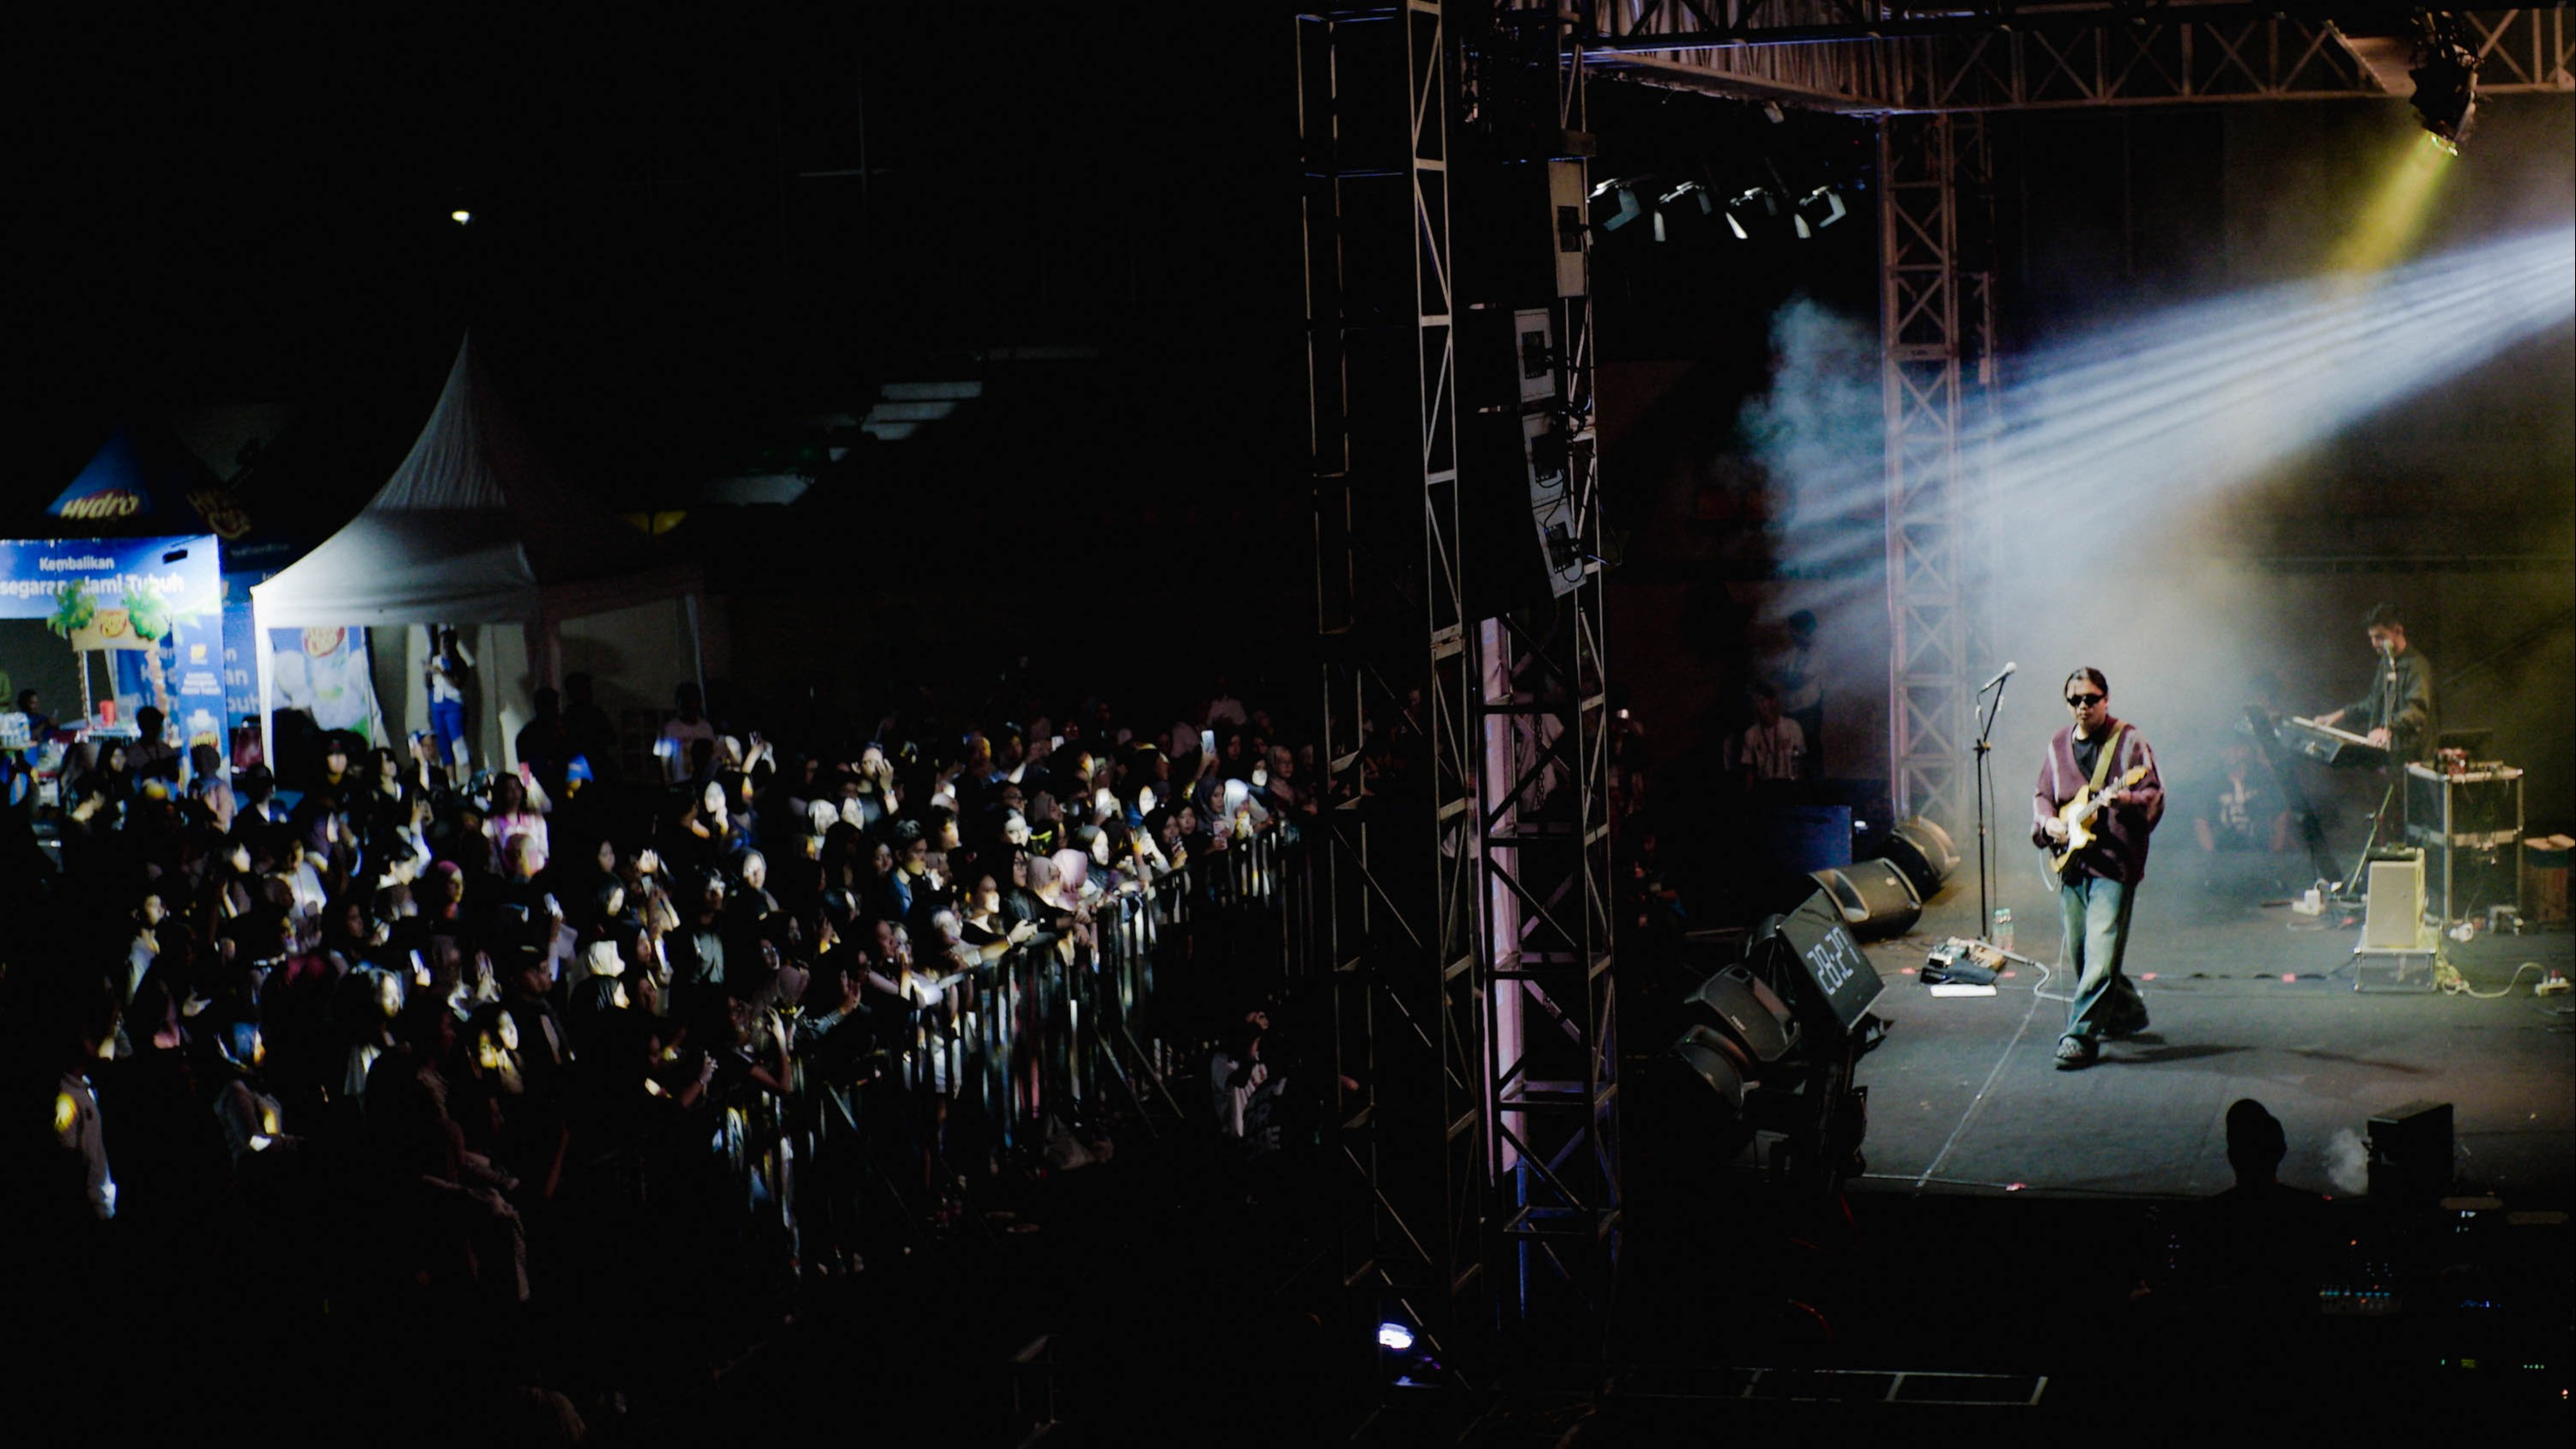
{"x": 1819, "y": 209}
{"x": 2446, "y": 82}
{"x": 460, "y": 216}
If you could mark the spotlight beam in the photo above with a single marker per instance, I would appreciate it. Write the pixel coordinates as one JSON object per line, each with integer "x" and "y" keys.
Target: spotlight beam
{"x": 2194, "y": 415}
{"x": 2208, "y": 396}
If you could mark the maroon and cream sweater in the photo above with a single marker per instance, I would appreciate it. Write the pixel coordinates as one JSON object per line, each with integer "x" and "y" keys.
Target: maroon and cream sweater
{"x": 2119, "y": 848}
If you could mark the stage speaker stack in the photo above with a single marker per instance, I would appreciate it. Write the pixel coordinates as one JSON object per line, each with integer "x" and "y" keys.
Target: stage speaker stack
{"x": 1526, "y": 453}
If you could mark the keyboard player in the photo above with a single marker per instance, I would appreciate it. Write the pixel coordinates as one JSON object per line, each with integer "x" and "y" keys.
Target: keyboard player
{"x": 2397, "y": 712}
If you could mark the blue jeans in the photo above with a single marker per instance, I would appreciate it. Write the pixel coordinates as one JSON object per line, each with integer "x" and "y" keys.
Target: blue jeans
{"x": 447, "y": 721}
{"x": 2095, "y": 913}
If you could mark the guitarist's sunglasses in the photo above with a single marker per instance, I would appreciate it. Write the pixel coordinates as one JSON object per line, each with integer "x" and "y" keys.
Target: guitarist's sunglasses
{"x": 2079, "y": 701}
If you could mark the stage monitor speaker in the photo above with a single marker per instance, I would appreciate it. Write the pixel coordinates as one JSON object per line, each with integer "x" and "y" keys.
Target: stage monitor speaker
{"x": 2410, "y": 1153}
{"x": 2393, "y": 913}
{"x": 1875, "y": 898}
{"x": 1923, "y": 850}
{"x": 1837, "y": 982}
{"x": 1752, "y": 1013}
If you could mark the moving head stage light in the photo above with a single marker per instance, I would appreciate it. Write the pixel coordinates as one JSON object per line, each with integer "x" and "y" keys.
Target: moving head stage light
{"x": 2445, "y": 73}
{"x": 1773, "y": 1044}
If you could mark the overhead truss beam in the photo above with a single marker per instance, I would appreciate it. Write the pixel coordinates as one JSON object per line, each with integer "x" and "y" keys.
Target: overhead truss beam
{"x": 1880, "y": 58}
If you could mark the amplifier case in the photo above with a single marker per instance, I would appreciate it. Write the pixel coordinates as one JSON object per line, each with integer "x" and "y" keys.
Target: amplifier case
{"x": 2470, "y": 826}
{"x": 2470, "y": 880}
{"x": 2481, "y": 807}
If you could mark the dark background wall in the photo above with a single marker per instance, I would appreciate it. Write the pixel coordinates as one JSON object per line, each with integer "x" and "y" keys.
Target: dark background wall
{"x": 689, "y": 240}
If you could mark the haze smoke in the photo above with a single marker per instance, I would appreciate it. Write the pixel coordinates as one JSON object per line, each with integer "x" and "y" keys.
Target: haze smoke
{"x": 2347, "y": 1161}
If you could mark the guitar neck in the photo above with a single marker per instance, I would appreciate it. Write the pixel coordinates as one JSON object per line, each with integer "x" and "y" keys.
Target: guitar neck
{"x": 2109, "y": 788}
{"x": 2077, "y": 820}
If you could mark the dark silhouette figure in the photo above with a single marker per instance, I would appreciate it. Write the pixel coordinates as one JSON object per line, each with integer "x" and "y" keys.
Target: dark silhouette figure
{"x": 2260, "y": 1258}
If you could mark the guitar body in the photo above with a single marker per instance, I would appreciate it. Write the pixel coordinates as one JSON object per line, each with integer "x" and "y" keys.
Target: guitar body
{"x": 2078, "y": 814}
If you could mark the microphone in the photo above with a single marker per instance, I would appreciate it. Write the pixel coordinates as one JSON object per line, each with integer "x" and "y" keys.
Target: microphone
{"x": 2000, "y": 676}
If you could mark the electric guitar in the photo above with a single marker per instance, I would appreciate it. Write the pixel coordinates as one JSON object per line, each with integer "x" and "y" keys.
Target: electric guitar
{"x": 2078, "y": 814}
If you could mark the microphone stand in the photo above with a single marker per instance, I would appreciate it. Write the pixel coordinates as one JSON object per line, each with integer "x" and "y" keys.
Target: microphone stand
{"x": 2389, "y": 700}
{"x": 1985, "y": 910}
{"x": 2392, "y": 771}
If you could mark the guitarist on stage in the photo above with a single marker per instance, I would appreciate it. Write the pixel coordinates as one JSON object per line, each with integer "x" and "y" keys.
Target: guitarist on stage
{"x": 2098, "y": 799}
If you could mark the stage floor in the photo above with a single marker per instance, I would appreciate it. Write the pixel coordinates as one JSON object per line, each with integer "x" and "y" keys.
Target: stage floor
{"x": 2247, "y": 1000}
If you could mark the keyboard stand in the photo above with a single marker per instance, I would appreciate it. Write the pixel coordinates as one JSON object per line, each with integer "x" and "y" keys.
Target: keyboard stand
{"x": 2350, "y": 890}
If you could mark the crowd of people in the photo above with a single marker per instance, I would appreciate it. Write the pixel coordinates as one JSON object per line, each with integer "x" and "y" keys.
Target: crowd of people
{"x": 385, "y": 1030}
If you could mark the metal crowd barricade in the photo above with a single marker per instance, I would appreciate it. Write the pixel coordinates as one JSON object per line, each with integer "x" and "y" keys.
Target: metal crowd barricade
{"x": 1033, "y": 1035}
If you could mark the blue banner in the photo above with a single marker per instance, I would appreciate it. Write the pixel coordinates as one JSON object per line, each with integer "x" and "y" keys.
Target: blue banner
{"x": 153, "y": 605}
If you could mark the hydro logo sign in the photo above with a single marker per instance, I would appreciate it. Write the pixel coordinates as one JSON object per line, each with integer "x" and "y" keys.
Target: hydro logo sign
{"x": 106, "y": 503}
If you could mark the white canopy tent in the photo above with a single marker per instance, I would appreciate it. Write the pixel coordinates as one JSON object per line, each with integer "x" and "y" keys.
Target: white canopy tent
{"x": 473, "y": 529}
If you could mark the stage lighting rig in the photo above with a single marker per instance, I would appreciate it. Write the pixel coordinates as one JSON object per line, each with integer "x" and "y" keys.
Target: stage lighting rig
{"x": 1774, "y": 1044}
{"x": 1751, "y": 212}
{"x": 1406, "y": 1356}
{"x": 2445, "y": 73}
{"x": 1819, "y": 209}
{"x": 1683, "y": 209}
{"x": 1778, "y": 209}
{"x": 1618, "y": 202}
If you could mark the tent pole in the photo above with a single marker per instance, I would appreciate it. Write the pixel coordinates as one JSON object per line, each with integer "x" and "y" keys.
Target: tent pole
{"x": 697, "y": 641}
{"x": 267, "y": 676}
